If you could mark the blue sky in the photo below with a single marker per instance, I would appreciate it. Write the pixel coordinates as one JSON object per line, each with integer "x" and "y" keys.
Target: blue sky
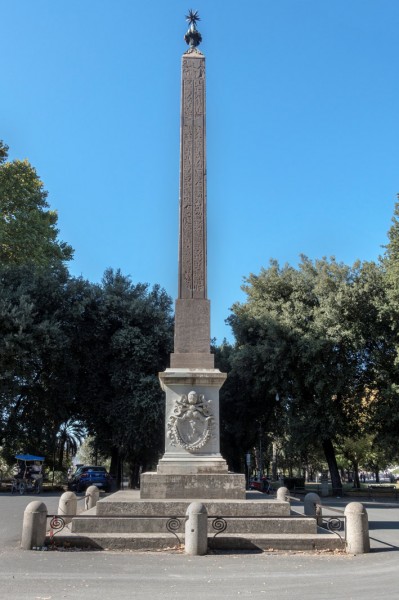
{"x": 302, "y": 130}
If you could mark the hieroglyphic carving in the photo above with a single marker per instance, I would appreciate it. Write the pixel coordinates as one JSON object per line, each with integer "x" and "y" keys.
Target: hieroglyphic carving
{"x": 193, "y": 68}
{"x": 199, "y": 96}
{"x": 188, "y": 99}
{"x": 186, "y": 209}
{"x": 193, "y": 232}
{"x": 198, "y": 200}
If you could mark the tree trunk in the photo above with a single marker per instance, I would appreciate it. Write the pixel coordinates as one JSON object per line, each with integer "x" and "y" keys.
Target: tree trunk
{"x": 134, "y": 475}
{"x": 274, "y": 461}
{"x": 61, "y": 455}
{"x": 116, "y": 467}
{"x": 114, "y": 462}
{"x": 356, "y": 476}
{"x": 234, "y": 457}
{"x": 329, "y": 453}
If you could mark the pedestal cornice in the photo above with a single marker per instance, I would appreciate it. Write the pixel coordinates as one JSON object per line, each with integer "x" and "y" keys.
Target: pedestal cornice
{"x": 192, "y": 377}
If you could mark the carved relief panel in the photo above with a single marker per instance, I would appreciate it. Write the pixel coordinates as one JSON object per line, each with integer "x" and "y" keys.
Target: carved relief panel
{"x": 191, "y": 423}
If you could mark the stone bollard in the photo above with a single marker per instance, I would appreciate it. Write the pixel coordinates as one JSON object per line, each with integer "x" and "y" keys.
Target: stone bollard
{"x": 357, "y": 529}
{"x": 196, "y": 530}
{"x": 283, "y": 494}
{"x": 68, "y": 505}
{"x": 313, "y": 506}
{"x": 91, "y": 497}
{"x": 34, "y": 525}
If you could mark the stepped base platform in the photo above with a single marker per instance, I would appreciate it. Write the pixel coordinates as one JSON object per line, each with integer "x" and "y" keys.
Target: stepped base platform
{"x": 124, "y": 521}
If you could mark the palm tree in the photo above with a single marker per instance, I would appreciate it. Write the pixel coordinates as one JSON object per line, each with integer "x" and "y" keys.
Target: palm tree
{"x": 70, "y": 435}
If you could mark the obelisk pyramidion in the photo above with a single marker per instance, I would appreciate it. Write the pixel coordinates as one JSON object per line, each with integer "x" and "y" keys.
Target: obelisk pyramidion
{"x": 192, "y": 466}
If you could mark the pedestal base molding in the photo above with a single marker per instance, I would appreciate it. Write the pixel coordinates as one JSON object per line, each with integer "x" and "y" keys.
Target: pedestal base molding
{"x": 229, "y": 486}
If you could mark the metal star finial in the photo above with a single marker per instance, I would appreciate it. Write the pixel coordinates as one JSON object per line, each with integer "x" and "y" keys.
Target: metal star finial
{"x": 193, "y": 37}
{"x": 192, "y": 17}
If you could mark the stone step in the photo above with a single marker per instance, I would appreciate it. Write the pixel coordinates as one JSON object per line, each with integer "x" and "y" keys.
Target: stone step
{"x": 228, "y": 542}
{"x": 127, "y": 503}
{"x": 89, "y": 524}
{"x": 305, "y": 542}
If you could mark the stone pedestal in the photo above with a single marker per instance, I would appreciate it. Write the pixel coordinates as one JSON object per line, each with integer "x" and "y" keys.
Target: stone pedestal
{"x": 226, "y": 486}
{"x": 192, "y": 466}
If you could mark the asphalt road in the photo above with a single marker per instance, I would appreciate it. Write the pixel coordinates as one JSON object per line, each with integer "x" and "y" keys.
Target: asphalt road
{"x": 50, "y": 575}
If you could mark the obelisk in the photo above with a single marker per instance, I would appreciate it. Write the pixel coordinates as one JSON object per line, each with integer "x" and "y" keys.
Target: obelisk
{"x": 192, "y": 314}
{"x": 192, "y": 466}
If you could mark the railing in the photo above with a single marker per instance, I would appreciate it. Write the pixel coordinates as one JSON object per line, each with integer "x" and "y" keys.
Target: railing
{"x": 173, "y": 524}
{"x": 332, "y": 523}
{"x": 57, "y": 524}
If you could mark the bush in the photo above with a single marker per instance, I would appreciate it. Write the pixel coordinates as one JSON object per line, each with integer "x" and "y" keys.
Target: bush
{"x": 60, "y": 477}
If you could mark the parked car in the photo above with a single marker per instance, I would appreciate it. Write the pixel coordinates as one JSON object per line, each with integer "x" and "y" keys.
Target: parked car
{"x": 264, "y": 485}
{"x": 90, "y": 475}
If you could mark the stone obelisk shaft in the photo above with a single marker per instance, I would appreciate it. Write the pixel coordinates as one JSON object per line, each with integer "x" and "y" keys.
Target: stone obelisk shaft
{"x": 192, "y": 314}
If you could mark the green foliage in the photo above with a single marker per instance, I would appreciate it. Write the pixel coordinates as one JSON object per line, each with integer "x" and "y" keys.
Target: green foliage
{"x": 60, "y": 477}
{"x": 70, "y": 436}
{"x": 76, "y": 355}
{"x": 391, "y": 257}
{"x": 88, "y": 453}
{"x": 40, "y": 312}
{"x": 311, "y": 345}
{"x": 365, "y": 452}
{"x": 28, "y": 232}
{"x": 125, "y": 341}
{"x": 238, "y": 425}
{"x": 3, "y": 152}
{"x": 385, "y": 406}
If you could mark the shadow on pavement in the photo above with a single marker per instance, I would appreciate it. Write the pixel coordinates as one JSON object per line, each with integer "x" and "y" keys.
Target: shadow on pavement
{"x": 388, "y": 547}
{"x": 383, "y": 525}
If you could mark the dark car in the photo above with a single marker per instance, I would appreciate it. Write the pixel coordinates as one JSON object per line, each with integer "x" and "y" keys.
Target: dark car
{"x": 86, "y": 476}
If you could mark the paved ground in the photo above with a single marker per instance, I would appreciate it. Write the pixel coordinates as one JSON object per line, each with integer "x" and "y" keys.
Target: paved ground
{"x": 57, "y": 575}
{"x": 383, "y": 518}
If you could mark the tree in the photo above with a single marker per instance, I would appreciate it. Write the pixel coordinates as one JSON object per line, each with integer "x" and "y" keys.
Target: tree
{"x": 40, "y": 313}
{"x": 69, "y": 438}
{"x": 124, "y": 342}
{"x": 304, "y": 337}
{"x": 246, "y": 409}
{"x": 73, "y": 353}
{"x": 385, "y": 408}
{"x": 28, "y": 229}
{"x": 365, "y": 452}
{"x": 3, "y": 151}
{"x": 391, "y": 256}
{"x": 355, "y": 451}
{"x": 88, "y": 453}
